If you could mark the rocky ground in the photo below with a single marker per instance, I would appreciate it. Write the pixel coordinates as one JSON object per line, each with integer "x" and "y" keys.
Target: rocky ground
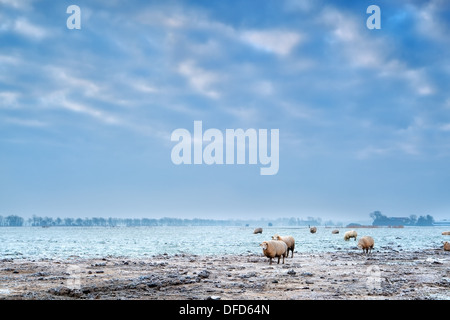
{"x": 342, "y": 275}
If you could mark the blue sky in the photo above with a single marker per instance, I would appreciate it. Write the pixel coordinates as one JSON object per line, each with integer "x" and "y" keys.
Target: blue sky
{"x": 86, "y": 115}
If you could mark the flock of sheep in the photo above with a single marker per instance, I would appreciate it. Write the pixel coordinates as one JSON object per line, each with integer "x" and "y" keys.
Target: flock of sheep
{"x": 280, "y": 246}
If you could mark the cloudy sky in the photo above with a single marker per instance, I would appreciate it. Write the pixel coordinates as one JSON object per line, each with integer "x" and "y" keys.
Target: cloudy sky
{"x": 86, "y": 115}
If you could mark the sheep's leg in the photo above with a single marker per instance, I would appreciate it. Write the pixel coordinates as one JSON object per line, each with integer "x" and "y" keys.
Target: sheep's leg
{"x": 279, "y": 259}
{"x": 270, "y": 261}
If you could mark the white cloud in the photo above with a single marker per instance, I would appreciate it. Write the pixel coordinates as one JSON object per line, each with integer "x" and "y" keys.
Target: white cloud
{"x": 89, "y": 88}
{"x": 299, "y": 111}
{"x": 445, "y": 127}
{"x": 26, "y": 122}
{"x": 9, "y": 60}
{"x": 144, "y": 87}
{"x": 58, "y": 99}
{"x": 8, "y": 99}
{"x": 417, "y": 78}
{"x": 447, "y": 103}
{"x": 26, "y": 28}
{"x": 346, "y": 34}
{"x": 371, "y": 151}
{"x": 264, "y": 88}
{"x": 199, "y": 79}
{"x": 302, "y": 6}
{"x": 70, "y": 80}
{"x": 164, "y": 17}
{"x": 243, "y": 114}
{"x": 279, "y": 42}
{"x": 370, "y": 53}
{"x": 428, "y": 22}
{"x": 17, "y": 4}
{"x": 410, "y": 141}
{"x": 76, "y": 107}
{"x": 275, "y": 41}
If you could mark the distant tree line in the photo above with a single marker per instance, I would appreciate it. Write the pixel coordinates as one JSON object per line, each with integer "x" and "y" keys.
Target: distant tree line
{"x": 13, "y": 221}
{"x": 380, "y": 219}
{"x": 36, "y": 221}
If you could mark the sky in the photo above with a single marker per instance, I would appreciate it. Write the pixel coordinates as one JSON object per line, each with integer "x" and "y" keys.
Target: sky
{"x": 86, "y": 115}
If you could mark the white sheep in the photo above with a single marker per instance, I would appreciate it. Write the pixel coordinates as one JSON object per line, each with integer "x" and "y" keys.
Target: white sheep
{"x": 313, "y": 229}
{"x": 273, "y": 249}
{"x": 350, "y": 234}
{"x": 290, "y": 242}
{"x": 447, "y": 246}
{"x": 366, "y": 243}
{"x": 446, "y": 233}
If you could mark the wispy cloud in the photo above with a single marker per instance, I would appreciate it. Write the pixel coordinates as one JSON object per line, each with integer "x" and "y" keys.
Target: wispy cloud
{"x": 32, "y": 31}
{"x": 21, "y": 5}
{"x": 376, "y": 54}
{"x": 279, "y": 42}
{"x": 26, "y": 122}
{"x": 65, "y": 78}
{"x": 200, "y": 79}
{"x": 430, "y": 23}
{"x": 8, "y": 99}
{"x": 59, "y": 100}
{"x": 371, "y": 151}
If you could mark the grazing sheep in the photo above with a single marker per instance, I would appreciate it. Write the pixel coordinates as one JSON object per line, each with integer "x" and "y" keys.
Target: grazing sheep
{"x": 290, "y": 242}
{"x": 447, "y": 246}
{"x": 350, "y": 234}
{"x": 446, "y": 233}
{"x": 313, "y": 229}
{"x": 335, "y": 231}
{"x": 366, "y": 244}
{"x": 257, "y": 230}
{"x": 274, "y": 248}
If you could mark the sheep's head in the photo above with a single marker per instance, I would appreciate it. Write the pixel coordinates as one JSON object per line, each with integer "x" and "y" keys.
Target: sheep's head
{"x": 275, "y": 237}
{"x": 264, "y": 245}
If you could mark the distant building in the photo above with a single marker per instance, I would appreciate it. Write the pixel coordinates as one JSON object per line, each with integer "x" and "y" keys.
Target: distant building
{"x": 391, "y": 221}
{"x": 442, "y": 223}
{"x": 398, "y": 221}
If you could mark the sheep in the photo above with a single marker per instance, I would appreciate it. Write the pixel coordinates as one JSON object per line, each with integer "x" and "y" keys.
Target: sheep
{"x": 350, "y": 234}
{"x": 313, "y": 229}
{"x": 274, "y": 248}
{"x": 335, "y": 231}
{"x": 257, "y": 230}
{"x": 290, "y": 242}
{"x": 446, "y": 233}
{"x": 447, "y": 246}
{"x": 366, "y": 244}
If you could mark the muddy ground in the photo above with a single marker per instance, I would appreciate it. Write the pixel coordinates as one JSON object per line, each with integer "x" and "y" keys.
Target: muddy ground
{"x": 342, "y": 275}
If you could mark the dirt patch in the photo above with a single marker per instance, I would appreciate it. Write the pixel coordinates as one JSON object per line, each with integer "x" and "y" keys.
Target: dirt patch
{"x": 341, "y": 275}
